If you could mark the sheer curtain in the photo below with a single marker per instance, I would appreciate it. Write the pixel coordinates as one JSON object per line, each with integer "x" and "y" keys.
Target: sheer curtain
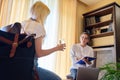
{"x": 14, "y": 11}
{"x": 0, "y": 4}
{"x": 4, "y": 14}
{"x": 67, "y": 28}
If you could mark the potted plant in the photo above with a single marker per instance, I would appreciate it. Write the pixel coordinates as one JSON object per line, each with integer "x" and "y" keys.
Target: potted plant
{"x": 112, "y": 71}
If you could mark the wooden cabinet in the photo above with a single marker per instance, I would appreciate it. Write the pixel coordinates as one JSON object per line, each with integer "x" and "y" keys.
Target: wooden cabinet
{"x": 103, "y": 25}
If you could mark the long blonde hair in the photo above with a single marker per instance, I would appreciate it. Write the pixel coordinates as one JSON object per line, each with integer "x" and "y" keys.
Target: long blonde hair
{"x": 39, "y": 12}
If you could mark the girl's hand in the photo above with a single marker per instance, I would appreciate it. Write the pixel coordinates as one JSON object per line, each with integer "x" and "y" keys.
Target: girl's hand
{"x": 79, "y": 58}
{"x": 86, "y": 60}
{"x": 61, "y": 47}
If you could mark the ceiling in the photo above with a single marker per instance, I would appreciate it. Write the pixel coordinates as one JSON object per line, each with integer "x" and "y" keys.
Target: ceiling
{"x": 89, "y": 2}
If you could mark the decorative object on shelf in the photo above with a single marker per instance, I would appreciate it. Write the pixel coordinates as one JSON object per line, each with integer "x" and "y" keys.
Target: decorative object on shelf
{"x": 97, "y": 30}
{"x": 88, "y": 31}
{"x": 93, "y": 31}
{"x": 110, "y": 27}
{"x": 103, "y": 30}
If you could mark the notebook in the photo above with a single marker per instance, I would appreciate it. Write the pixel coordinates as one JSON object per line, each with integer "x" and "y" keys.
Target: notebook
{"x": 89, "y": 59}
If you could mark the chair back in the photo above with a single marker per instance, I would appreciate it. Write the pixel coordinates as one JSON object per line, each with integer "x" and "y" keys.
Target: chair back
{"x": 16, "y": 56}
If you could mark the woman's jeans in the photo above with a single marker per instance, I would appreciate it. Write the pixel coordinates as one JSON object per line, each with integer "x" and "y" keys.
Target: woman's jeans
{"x": 73, "y": 73}
{"x": 46, "y": 74}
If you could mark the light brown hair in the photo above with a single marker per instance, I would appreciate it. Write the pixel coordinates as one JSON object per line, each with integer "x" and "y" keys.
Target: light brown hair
{"x": 86, "y": 34}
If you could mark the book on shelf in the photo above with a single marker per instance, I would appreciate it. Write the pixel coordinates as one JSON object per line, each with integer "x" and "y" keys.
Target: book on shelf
{"x": 92, "y": 20}
{"x": 95, "y": 19}
{"x": 89, "y": 59}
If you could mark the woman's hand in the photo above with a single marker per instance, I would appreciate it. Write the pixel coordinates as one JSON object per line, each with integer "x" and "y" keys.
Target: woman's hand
{"x": 61, "y": 47}
{"x": 86, "y": 60}
{"x": 78, "y": 58}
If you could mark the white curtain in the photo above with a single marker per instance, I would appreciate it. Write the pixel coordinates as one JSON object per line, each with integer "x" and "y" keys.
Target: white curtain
{"x": 67, "y": 30}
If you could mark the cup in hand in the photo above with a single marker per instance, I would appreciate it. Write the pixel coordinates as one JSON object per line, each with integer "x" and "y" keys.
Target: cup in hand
{"x": 61, "y": 42}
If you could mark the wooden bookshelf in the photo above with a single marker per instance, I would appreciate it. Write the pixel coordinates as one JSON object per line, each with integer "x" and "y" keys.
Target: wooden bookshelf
{"x": 92, "y": 23}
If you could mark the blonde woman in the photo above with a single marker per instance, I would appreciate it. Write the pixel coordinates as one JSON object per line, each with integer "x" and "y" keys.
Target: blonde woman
{"x": 35, "y": 24}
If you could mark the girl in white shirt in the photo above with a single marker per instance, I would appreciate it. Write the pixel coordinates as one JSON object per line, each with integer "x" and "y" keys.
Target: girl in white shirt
{"x": 79, "y": 52}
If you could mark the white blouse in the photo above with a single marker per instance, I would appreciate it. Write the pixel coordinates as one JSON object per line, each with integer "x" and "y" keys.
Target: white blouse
{"x": 33, "y": 27}
{"x": 77, "y": 51}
